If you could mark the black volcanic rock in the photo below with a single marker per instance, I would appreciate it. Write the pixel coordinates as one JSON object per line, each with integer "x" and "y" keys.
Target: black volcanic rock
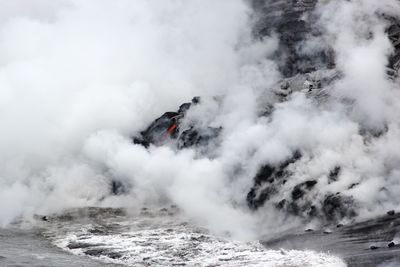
{"x": 119, "y": 188}
{"x": 300, "y": 189}
{"x": 373, "y": 247}
{"x": 157, "y": 132}
{"x": 393, "y": 32}
{"x": 391, "y": 212}
{"x": 351, "y": 242}
{"x": 336, "y": 207}
{"x": 293, "y": 22}
{"x": 168, "y": 127}
{"x": 268, "y": 181}
{"x": 334, "y": 174}
{"x": 197, "y": 137}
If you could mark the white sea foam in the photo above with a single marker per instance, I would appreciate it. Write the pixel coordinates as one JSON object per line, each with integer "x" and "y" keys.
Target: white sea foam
{"x": 168, "y": 240}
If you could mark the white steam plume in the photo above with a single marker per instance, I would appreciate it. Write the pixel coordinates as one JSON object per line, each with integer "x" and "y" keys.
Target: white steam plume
{"x": 77, "y": 78}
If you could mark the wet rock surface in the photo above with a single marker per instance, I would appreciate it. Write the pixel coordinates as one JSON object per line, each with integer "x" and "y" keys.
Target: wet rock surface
{"x": 367, "y": 244}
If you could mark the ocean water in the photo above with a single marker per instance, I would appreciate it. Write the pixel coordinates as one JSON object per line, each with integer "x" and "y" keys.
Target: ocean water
{"x": 154, "y": 237}
{"x": 79, "y": 79}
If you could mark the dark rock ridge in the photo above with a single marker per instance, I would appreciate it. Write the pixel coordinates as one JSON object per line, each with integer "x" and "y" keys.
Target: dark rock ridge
{"x": 267, "y": 182}
{"x": 168, "y": 127}
{"x": 270, "y": 183}
{"x": 295, "y": 22}
{"x": 393, "y": 32}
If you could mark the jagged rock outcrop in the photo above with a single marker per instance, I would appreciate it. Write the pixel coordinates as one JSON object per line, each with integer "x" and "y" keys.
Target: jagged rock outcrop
{"x": 393, "y": 32}
{"x": 196, "y": 137}
{"x": 268, "y": 180}
{"x": 168, "y": 127}
{"x": 270, "y": 183}
{"x": 313, "y": 74}
{"x": 292, "y": 20}
{"x": 164, "y": 127}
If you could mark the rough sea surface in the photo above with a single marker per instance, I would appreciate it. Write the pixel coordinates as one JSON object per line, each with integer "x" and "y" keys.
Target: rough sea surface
{"x": 161, "y": 237}
{"x": 296, "y": 123}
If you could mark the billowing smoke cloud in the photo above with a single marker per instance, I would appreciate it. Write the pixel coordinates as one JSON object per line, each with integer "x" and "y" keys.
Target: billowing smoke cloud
{"x": 79, "y": 78}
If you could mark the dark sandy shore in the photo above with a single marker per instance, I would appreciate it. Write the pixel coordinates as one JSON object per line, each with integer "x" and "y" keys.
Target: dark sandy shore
{"x": 364, "y": 244}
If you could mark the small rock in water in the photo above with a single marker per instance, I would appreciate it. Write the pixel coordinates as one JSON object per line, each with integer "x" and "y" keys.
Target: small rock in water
{"x": 97, "y": 231}
{"x": 339, "y": 225}
{"x": 327, "y": 231}
{"x": 77, "y": 245}
{"x": 95, "y": 252}
{"x": 373, "y": 247}
{"x": 390, "y": 212}
{"x": 309, "y": 230}
{"x": 391, "y": 244}
{"x": 145, "y": 211}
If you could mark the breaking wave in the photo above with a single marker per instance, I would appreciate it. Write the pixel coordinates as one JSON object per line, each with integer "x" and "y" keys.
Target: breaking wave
{"x": 164, "y": 238}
